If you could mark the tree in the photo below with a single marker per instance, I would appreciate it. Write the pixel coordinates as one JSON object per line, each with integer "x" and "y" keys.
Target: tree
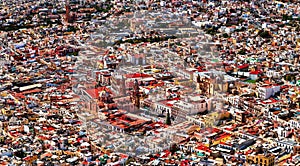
{"x": 225, "y": 35}
{"x": 242, "y": 52}
{"x": 265, "y": 34}
{"x": 174, "y": 148}
{"x": 288, "y": 78}
{"x": 129, "y": 160}
{"x": 168, "y": 119}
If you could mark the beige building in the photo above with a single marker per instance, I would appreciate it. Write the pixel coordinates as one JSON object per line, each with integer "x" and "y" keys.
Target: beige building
{"x": 261, "y": 159}
{"x": 210, "y": 85}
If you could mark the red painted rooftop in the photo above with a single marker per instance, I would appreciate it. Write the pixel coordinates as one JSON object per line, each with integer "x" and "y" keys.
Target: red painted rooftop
{"x": 137, "y": 75}
{"x": 243, "y": 66}
{"x": 256, "y": 72}
{"x": 94, "y": 93}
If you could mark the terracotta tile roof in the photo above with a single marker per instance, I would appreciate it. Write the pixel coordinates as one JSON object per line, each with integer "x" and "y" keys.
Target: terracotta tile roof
{"x": 94, "y": 93}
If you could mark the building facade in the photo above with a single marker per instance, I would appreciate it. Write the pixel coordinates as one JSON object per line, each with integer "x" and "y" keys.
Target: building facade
{"x": 261, "y": 159}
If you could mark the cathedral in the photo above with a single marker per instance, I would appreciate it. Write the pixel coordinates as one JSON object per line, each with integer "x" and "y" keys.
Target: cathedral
{"x": 211, "y": 85}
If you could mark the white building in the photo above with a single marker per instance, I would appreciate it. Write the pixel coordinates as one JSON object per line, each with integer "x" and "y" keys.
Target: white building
{"x": 266, "y": 92}
{"x": 188, "y": 105}
{"x": 282, "y": 132}
{"x": 288, "y": 145}
{"x": 186, "y": 73}
{"x": 193, "y": 104}
{"x": 233, "y": 100}
{"x": 295, "y": 122}
{"x": 254, "y": 75}
{"x": 138, "y": 59}
{"x": 273, "y": 74}
{"x": 165, "y": 106}
{"x": 196, "y": 121}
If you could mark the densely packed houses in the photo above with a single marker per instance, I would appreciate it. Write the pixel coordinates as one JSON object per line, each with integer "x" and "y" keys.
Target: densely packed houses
{"x": 155, "y": 82}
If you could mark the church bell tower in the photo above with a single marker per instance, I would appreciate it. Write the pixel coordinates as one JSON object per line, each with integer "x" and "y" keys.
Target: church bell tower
{"x": 136, "y": 94}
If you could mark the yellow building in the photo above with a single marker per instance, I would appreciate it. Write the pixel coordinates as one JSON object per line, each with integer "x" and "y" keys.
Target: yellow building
{"x": 100, "y": 65}
{"x": 284, "y": 157}
{"x": 6, "y": 112}
{"x": 2, "y": 139}
{"x": 211, "y": 119}
{"x": 183, "y": 82}
{"x": 218, "y": 88}
{"x": 222, "y": 138}
{"x": 261, "y": 159}
{"x": 212, "y": 86}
